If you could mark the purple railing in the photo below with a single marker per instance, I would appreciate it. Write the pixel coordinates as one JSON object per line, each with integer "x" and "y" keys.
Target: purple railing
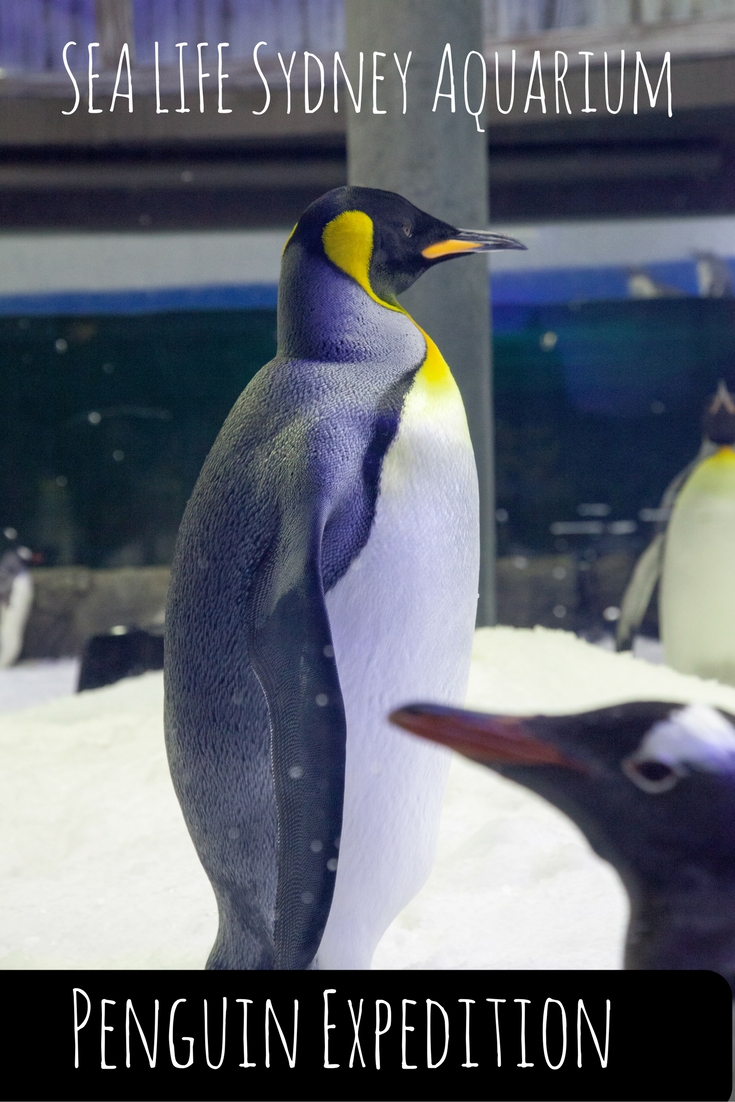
{"x": 283, "y": 24}
{"x": 33, "y": 32}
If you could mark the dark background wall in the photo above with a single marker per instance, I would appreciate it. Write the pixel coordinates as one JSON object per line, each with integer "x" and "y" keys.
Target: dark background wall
{"x": 100, "y": 444}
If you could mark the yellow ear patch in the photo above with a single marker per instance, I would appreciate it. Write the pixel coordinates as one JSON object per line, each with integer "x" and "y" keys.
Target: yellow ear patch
{"x": 714, "y": 476}
{"x": 348, "y": 242}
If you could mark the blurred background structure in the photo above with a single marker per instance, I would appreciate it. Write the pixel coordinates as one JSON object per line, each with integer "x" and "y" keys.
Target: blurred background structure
{"x": 139, "y": 258}
{"x": 417, "y": 154}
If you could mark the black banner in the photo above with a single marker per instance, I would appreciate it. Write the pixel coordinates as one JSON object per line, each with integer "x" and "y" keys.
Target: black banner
{"x": 367, "y": 1035}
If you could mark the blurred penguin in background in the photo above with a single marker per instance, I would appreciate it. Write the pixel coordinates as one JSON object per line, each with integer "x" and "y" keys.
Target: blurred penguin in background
{"x": 692, "y": 555}
{"x": 714, "y": 277}
{"x": 16, "y": 598}
{"x": 641, "y": 284}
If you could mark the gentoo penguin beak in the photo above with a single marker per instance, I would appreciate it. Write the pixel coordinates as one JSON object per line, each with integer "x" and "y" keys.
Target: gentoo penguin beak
{"x": 487, "y": 739}
{"x": 466, "y": 241}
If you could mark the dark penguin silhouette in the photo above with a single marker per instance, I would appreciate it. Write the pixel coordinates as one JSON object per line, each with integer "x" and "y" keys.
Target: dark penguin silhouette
{"x": 123, "y": 652}
{"x": 327, "y": 561}
{"x": 652, "y": 787}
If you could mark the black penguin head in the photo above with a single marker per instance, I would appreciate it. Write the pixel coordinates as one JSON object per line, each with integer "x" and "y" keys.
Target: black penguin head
{"x": 718, "y": 421}
{"x": 651, "y": 785}
{"x": 384, "y": 242}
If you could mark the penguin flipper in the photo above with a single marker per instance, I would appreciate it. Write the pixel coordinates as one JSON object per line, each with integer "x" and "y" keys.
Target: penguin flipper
{"x": 291, "y": 651}
{"x": 639, "y": 591}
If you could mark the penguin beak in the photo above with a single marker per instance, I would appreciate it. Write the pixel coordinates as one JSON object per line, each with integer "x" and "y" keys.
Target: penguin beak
{"x": 469, "y": 241}
{"x": 487, "y": 739}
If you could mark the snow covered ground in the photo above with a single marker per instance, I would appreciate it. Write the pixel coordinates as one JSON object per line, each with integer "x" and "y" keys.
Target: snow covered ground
{"x": 97, "y": 870}
{"x": 37, "y": 682}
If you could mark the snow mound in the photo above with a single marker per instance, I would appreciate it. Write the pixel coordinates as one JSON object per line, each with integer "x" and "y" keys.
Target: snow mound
{"x": 37, "y": 682}
{"x": 534, "y": 670}
{"x": 96, "y": 864}
{"x": 98, "y": 870}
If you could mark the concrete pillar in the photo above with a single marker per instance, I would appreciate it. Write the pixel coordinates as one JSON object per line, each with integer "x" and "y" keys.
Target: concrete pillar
{"x": 438, "y": 160}
{"x": 114, "y": 25}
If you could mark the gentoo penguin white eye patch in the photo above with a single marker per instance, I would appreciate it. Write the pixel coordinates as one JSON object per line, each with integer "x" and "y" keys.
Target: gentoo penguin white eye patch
{"x": 696, "y": 735}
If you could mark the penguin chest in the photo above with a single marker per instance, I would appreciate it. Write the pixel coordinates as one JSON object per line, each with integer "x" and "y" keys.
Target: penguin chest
{"x": 405, "y": 609}
{"x": 697, "y": 591}
{"x": 402, "y": 621}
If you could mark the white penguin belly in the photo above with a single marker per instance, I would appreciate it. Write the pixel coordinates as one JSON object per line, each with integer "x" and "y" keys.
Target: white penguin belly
{"x": 402, "y": 621}
{"x": 698, "y": 588}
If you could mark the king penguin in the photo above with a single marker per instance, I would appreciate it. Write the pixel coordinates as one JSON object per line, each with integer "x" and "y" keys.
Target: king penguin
{"x": 692, "y": 555}
{"x": 652, "y": 787}
{"x": 326, "y": 570}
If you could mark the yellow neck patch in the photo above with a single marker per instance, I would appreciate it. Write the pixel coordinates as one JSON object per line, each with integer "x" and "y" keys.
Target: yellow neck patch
{"x": 714, "y": 476}
{"x": 348, "y": 242}
{"x": 293, "y": 231}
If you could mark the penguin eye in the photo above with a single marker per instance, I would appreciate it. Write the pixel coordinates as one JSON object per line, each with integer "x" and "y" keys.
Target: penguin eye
{"x": 408, "y": 231}
{"x": 650, "y": 776}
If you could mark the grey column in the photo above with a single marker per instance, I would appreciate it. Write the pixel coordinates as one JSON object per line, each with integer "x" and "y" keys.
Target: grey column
{"x": 114, "y": 25}
{"x": 438, "y": 160}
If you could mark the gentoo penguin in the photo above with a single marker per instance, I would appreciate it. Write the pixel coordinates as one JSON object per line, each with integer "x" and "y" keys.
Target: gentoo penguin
{"x": 652, "y": 787}
{"x": 16, "y": 598}
{"x": 326, "y": 570}
{"x": 692, "y": 555}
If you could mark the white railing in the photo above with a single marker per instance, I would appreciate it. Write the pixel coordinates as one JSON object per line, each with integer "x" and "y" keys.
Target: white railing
{"x": 685, "y": 27}
{"x": 508, "y": 19}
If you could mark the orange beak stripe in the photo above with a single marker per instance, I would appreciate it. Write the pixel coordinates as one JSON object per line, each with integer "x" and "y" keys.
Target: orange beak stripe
{"x": 449, "y": 247}
{"x": 483, "y": 738}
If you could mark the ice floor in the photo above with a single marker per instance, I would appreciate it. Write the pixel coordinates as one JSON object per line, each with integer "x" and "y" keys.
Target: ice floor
{"x": 98, "y": 871}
